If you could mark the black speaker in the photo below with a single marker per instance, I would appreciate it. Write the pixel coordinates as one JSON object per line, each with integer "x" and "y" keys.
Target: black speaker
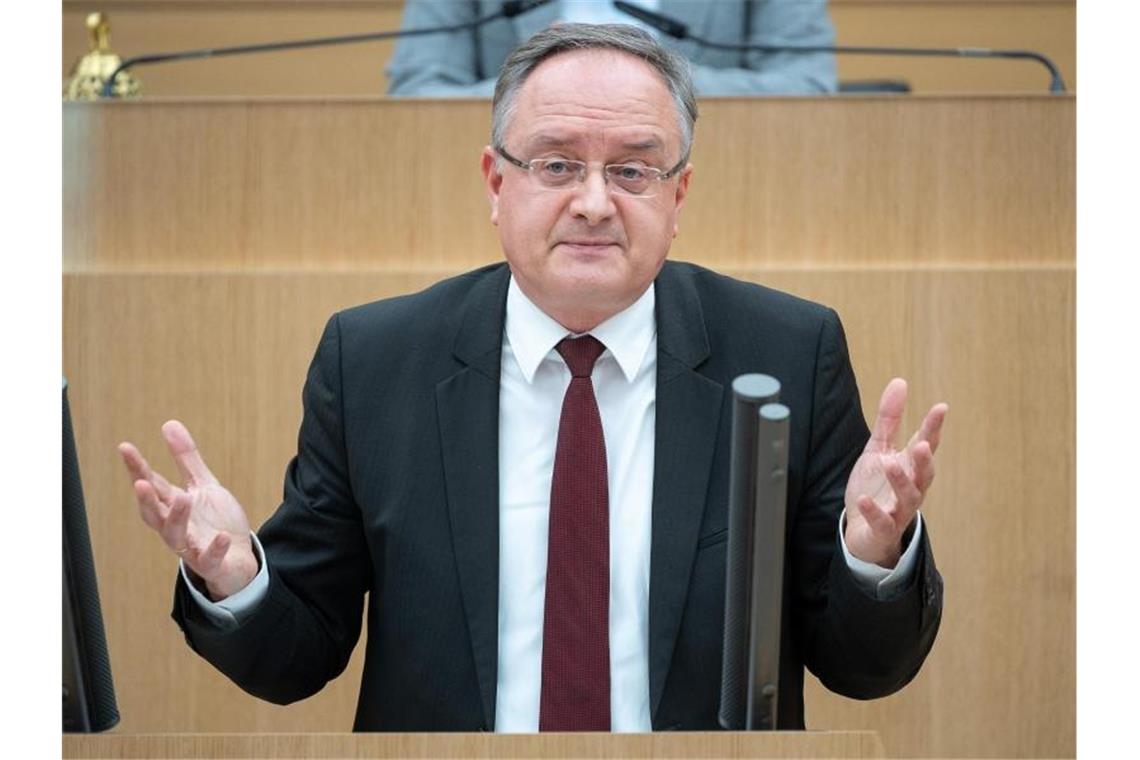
{"x": 88, "y": 692}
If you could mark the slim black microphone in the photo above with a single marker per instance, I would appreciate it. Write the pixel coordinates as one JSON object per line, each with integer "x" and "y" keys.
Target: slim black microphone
{"x": 679, "y": 30}
{"x": 509, "y": 9}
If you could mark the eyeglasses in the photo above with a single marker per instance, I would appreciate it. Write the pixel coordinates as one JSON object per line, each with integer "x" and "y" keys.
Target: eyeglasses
{"x": 565, "y": 173}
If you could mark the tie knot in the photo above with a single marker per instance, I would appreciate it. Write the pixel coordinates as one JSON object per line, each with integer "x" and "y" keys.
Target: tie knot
{"x": 580, "y": 354}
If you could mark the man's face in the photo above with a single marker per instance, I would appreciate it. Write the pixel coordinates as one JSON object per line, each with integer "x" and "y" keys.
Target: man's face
{"x": 586, "y": 252}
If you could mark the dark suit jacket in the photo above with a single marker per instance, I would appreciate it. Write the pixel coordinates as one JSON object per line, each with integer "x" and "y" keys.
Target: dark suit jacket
{"x": 393, "y": 495}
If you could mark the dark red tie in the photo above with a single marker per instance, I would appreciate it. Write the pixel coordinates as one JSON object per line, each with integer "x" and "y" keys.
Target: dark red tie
{"x": 576, "y": 624}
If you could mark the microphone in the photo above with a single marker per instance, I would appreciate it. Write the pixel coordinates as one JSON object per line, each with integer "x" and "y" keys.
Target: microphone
{"x": 509, "y": 9}
{"x": 754, "y": 559}
{"x": 674, "y": 28}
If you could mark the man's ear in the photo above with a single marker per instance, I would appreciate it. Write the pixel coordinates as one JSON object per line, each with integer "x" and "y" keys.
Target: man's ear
{"x": 681, "y": 194}
{"x": 492, "y": 180}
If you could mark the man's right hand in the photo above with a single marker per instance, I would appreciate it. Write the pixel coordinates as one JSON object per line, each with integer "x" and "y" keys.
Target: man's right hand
{"x": 201, "y": 522}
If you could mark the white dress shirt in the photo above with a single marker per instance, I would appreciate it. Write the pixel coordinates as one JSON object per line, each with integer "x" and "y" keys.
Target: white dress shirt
{"x": 533, "y": 382}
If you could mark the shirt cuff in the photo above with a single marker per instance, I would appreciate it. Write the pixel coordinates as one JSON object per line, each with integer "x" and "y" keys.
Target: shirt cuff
{"x": 230, "y": 612}
{"x": 878, "y": 581}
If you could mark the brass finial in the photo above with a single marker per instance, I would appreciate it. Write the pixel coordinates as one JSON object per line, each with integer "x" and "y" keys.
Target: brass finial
{"x": 98, "y": 32}
{"x": 92, "y": 70}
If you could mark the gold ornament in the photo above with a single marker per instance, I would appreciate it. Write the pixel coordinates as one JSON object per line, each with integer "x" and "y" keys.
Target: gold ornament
{"x": 91, "y": 71}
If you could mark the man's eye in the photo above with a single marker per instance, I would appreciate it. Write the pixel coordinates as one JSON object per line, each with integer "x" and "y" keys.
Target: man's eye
{"x": 631, "y": 172}
{"x": 557, "y": 167}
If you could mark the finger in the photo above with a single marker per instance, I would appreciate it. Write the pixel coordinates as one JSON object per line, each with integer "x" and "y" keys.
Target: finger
{"x": 136, "y": 465}
{"x": 151, "y": 508}
{"x": 923, "y": 458}
{"x": 891, "y": 406}
{"x": 140, "y": 469}
{"x": 185, "y": 453}
{"x": 907, "y": 495}
{"x": 174, "y": 531}
{"x": 209, "y": 559}
{"x": 163, "y": 486}
{"x": 881, "y": 524}
{"x": 931, "y": 428}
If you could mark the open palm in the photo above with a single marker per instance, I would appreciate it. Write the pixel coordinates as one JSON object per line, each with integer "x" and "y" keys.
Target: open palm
{"x": 201, "y": 522}
{"x": 888, "y": 485}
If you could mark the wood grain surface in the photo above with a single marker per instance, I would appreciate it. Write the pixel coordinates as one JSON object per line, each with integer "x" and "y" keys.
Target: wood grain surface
{"x": 811, "y": 744}
{"x": 339, "y": 184}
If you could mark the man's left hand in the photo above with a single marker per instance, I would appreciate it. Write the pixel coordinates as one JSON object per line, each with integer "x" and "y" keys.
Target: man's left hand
{"x": 887, "y": 485}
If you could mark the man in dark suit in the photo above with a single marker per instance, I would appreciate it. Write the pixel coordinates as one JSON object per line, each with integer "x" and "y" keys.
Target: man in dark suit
{"x": 524, "y": 469}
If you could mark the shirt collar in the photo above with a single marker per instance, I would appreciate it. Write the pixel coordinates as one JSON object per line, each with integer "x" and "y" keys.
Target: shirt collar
{"x": 533, "y": 334}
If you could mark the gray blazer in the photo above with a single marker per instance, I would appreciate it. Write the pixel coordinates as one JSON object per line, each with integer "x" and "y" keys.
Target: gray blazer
{"x": 466, "y": 64}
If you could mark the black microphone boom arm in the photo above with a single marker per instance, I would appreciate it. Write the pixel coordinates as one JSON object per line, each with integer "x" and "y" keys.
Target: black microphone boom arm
{"x": 678, "y": 30}
{"x": 509, "y": 9}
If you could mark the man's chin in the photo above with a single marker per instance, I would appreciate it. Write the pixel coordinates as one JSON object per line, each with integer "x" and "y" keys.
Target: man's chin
{"x": 589, "y": 300}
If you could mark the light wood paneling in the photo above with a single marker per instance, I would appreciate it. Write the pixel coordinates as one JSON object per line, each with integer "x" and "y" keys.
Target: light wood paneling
{"x": 350, "y": 183}
{"x": 999, "y": 347}
{"x": 1046, "y": 26}
{"x": 887, "y": 181}
{"x": 227, "y": 353}
{"x": 151, "y": 26}
{"x": 677, "y": 744}
{"x": 145, "y": 26}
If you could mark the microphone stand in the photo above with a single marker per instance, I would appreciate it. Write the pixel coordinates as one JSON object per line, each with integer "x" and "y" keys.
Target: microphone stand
{"x": 509, "y": 9}
{"x": 754, "y": 559}
{"x": 674, "y": 28}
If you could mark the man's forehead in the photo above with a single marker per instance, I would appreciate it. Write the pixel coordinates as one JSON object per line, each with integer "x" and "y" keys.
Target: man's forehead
{"x": 595, "y": 95}
{"x": 600, "y": 59}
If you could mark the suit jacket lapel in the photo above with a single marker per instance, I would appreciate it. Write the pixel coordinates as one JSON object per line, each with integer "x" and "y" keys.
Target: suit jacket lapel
{"x": 688, "y": 417}
{"x": 468, "y": 408}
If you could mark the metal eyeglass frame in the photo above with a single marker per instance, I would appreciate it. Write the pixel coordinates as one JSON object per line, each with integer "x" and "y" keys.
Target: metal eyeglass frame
{"x": 660, "y": 175}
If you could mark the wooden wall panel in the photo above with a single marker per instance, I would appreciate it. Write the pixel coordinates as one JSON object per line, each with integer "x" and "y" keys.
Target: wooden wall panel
{"x": 674, "y": 744}
{"x": 145, "y": 26}
{"x": 227, "y": 353}
{"x": 999, "y": 346}
{"x": 1047, "y": 26}
{"x": 350, "y": 183}
{"x": 149, "y": 26}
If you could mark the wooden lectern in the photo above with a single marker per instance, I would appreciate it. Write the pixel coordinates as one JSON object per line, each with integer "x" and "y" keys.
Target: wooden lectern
{"x": 728, "y": 744}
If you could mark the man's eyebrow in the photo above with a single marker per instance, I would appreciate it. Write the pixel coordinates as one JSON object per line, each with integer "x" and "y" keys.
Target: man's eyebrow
{"x": 649, "y": 143}
{"x": 550, "y": 141}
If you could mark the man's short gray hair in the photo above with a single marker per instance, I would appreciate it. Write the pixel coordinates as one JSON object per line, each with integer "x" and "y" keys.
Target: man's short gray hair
{"x": 563, "y": 38}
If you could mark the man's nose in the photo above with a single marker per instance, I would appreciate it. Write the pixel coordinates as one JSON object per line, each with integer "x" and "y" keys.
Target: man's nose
{"x": 592, "y": 199}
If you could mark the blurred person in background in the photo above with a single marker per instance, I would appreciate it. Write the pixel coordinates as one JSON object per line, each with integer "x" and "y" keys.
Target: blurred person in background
{"x": 465, "y": 64}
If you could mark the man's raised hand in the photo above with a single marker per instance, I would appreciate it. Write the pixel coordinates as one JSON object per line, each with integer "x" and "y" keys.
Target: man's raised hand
{"x": 887, "y": 485}
{"x": 201, "y": 521}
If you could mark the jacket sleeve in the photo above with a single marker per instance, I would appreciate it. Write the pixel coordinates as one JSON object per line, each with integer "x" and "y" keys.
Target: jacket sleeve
{"x": 857, "y": 645}
{"x": 302, "y": 633}
{"x": 777, "y": 23}
{"x": 439, "y": 65}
